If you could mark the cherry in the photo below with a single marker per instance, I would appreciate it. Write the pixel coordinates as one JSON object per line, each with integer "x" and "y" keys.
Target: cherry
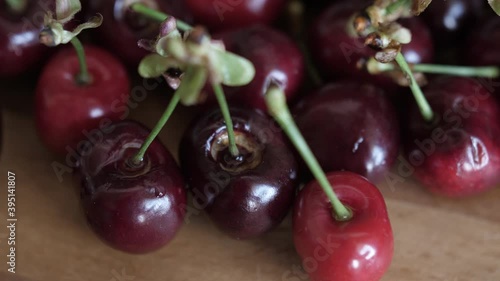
{"x": 449, "y": 19}
{"x": 337, "y": 53}
{"x": 359, "y": 249}
{"x": 248, "y": 195}
{"x": 275, "y": 57}
{"x": 483, "y": 44}
{"x": 136, "y": 209}
{"x": 229, "y": 14}
{"x": 20, "y": 49}
{"x": 366, "y": 143}
{"x": 122, "y": 28}
{"x": 458, "y": 154}
{"x": 66, "y": 110}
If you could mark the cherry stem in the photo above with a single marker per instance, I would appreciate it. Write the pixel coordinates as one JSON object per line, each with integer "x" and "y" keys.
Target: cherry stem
{"x": 278, "y": 109}
{"x": 83, "y": 78}
{"x": 221, "y": 99}
{"x": 425, "y": 108}
{"x": 139, "y": 157}
{"x": 17, "y": 6}
{"x": 157, "y": 15}
{"x": 466, "y": 71}
{"x": 396, "y": 5}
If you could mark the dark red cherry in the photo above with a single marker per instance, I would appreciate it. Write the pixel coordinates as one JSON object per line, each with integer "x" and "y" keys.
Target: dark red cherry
{"x": 122, "y": 28}
{"x": 337, "y": 53}
{"x": 66, "y": 111}
{"x": 350, "y": 126}
{"x": 20, "y": 49}
{"x": 459, "y": 153}
{"x": 275, "y": 57}
{"x": 360, "y": 249}
{"x": 483, "y": 44}
{"x": 135, "y": 209}
{"x": 449, "y": 20}
{"x": 229, "y": 14}
{"x": 248, "y": 195}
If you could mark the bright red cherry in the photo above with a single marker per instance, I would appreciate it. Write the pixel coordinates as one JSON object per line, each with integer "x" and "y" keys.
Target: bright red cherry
{"x": 359, "y": 128}
{"x": 66, "y": 111}
{"x": 459, "y": 153}
{"x": 360, "y": 249}
{"x": 222, "y": 14}
{"x": 275, "y": 57}
{"x": 336, "y": 53}
{"x": 136, "y": 209}
{"x": 248, "y": 195}
{"x": 122, "y": 28}
{"x": 20, "y": 49}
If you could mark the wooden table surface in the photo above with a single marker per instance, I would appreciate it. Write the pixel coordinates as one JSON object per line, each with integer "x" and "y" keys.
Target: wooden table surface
{"x": 435, "y": 238}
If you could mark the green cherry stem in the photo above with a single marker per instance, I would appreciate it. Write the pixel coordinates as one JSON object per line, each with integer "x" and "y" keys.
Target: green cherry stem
{"x": 396, "y": 5}
{"x": 466, "y": 71}
{"x": 221, "y": 99}
{"x": 138, "y": 158}
{"x": 278, "y": 109}
{"x": 425, "y": 108}
{"x": 18, "y": 6}
{"x": 454, "y": 70}
{"x": 83, "y": 78}
{"x": 157, "y": 15}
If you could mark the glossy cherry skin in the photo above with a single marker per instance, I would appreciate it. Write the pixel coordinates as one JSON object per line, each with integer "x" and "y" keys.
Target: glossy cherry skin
{"x": 360, "y": 249}
{"x": 459, "y": 154}
{"x": 483, "y": 44}
{"x": 66, "y": 111}
{"x": 133, "y": 209}
{"x": 336, "y": 53}
{"x": 275, "y": 57}
{"x": 248, "y": 198}
{"x": 350, "y": 127}
{"x": 122, "y": 29}
{"x": 451, "y": 18}
{"x": 20, "y": 49}
{"x": 222, "y": 14}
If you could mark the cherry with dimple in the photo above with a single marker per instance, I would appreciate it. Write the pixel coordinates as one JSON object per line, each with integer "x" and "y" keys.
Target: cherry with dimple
{"x": 458, "y": 154}
{"x": 245, "y": 195}
{"x": 133, "y": 208}
{"x": 360, "y": 249}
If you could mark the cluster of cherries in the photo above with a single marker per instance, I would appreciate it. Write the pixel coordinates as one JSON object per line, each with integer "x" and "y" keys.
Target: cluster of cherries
{"x": 236, "y": 160}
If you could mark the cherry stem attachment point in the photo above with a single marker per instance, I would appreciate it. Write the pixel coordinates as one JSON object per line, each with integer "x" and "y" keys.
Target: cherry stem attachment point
{"x": 83, "y": 78}
{"x": 139, "y": 157}
{"x": 17, "y": 6}
{"x": 157, "y": 15}
{"x": 278, "y": 109}
{"x": 221, "y": 99}
{"x": 425, "y": 108}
